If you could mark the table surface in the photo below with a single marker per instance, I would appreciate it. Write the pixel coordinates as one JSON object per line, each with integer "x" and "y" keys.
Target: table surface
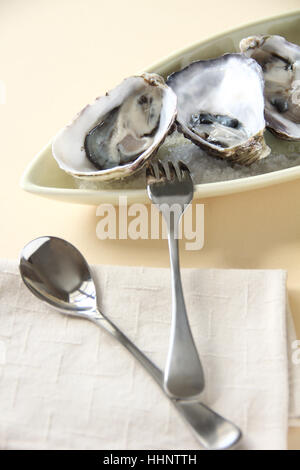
{"x": 56, "y": 57}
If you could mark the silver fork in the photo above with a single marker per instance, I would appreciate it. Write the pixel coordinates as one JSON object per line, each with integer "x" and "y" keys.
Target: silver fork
{"x": 171, "y": 189}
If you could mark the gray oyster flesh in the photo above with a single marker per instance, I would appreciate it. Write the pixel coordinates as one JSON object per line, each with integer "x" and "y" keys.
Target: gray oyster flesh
{"x": 221, "y": 130}
{"x": 280, "y": 62}
{"x": 126, "y": 131}
{"x": 279, "y": 74}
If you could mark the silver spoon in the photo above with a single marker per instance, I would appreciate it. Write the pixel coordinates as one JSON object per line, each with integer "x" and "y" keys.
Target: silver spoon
{"x": 56, "y": 272}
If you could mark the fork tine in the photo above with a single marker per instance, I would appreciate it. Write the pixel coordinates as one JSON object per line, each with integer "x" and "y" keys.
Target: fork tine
{"x": 150, "y": 171}
{"x": 183, "y": 166}
{"x": 172, "y": 170}
{"x": 161, "y": 168}
{"x": 184, "y": 170}
{"x": 156, "y": 170}
{"x": 178, "y": 171}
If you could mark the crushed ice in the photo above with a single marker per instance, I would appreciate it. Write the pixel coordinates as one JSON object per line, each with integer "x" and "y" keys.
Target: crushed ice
{"x": 205, "y": 168}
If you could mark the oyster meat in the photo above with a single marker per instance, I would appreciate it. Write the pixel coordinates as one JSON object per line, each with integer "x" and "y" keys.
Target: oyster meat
{"x": 221, "y": 107}
{"x": 280, "y": 62}
{"x": 114, "y": 136}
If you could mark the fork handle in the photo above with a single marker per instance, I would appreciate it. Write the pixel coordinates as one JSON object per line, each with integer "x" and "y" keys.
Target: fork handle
{"x": 210, "y": 429}
{"x": 183, "y": 378}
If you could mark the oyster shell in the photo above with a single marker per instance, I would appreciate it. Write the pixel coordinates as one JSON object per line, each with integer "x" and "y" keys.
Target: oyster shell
{"x": 221, "y": 107}
{"x": 114, "y": 136}
{"x": 280, "y": 62}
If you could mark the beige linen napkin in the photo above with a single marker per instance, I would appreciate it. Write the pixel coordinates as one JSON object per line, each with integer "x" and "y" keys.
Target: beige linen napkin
{"x": 66, "y": 384}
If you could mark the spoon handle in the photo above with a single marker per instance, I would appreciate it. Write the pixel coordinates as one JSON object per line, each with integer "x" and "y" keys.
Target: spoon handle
{"x": 211, "y": 430}
{"x": 104, "y": 322}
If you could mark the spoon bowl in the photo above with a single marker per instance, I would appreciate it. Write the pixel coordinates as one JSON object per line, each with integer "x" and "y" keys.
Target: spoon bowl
{"x": 56, "y": 272}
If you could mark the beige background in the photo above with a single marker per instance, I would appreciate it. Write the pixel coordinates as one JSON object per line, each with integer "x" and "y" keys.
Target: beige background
{"x": 55, "y": 56}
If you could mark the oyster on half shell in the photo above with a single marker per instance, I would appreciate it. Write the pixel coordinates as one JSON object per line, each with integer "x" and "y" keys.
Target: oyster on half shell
{"x": 280, "y": 62}
{"x": 114, "y": 136}
{"x": 221, "y": 107}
